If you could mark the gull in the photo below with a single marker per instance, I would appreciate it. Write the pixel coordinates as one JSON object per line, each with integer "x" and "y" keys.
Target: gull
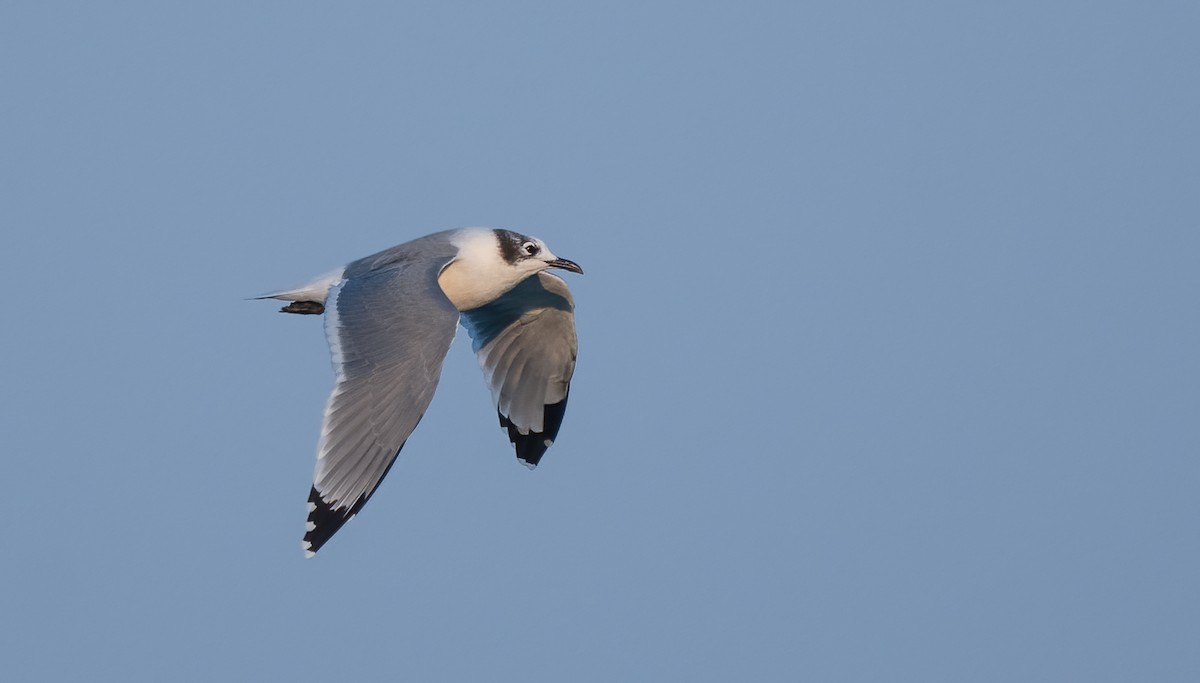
{"x": 389, "y": 321}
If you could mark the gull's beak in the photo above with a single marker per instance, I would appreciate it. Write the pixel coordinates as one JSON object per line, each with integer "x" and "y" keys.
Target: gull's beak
{"x": 565, "y": 265}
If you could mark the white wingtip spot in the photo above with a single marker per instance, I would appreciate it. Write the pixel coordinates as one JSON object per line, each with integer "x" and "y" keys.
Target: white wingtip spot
{"x": 530, "y": 465}
{"x": 312, "y": 506}
{"x": 309, "y": 526}
{"x": 307, "y": 548}
{"x": 548, "y": 442}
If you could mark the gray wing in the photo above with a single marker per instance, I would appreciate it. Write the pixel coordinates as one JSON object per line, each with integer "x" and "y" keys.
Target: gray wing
{"x": 526, "y": 345}
{"x": 388, "y": 333}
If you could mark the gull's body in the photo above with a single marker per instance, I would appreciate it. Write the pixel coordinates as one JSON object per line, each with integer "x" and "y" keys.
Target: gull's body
{"x": 389, "y": 321}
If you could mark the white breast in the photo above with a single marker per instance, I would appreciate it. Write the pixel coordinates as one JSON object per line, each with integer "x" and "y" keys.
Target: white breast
{"x": 479, "y": 274}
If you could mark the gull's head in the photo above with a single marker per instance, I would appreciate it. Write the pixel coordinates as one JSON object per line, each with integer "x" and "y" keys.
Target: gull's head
{"x": 529, "y": 254}
{"x": 491, "y": 262}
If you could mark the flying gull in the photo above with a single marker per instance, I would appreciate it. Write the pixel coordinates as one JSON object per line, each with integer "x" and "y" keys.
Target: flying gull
{"x": 389, "y": 321}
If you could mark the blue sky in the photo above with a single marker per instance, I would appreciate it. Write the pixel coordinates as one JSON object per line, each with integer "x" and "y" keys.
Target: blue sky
{"x": 888, "y": 340}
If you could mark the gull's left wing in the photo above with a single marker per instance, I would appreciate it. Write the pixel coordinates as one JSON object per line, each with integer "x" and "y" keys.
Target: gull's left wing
{"x": 388, "y": 333}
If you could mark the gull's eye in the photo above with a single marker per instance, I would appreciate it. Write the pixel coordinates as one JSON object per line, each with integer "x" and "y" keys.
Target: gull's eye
{"x": 530, "y": 249}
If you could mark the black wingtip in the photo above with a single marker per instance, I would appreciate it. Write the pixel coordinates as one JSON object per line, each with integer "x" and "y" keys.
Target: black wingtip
{"x": 532, "y": 446}
{"x": 323, "y": 522}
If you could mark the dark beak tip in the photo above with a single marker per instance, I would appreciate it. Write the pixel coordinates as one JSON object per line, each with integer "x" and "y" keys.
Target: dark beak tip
{"x": 567, "y": 265}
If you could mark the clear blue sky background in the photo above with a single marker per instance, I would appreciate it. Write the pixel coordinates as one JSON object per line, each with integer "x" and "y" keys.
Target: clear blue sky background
{"x": 889, "y": 335}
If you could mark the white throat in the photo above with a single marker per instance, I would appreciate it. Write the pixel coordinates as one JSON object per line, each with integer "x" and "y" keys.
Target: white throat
{"x": 479, "y": 274}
